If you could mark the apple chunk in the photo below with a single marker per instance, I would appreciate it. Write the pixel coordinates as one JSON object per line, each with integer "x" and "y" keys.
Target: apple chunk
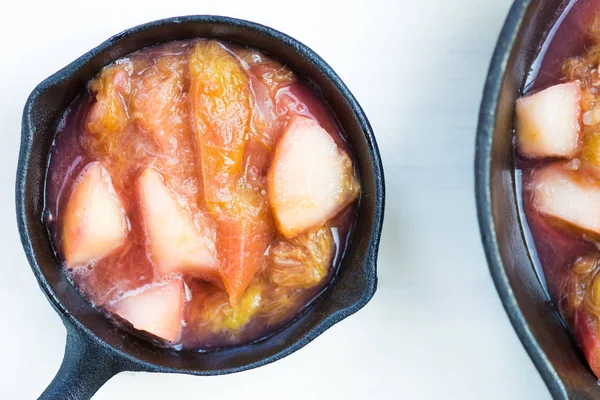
{"x": 310, "y": 179}
{"x": 174, "y": 243}
{"x": 567, "y": 196}
{"x": 157, "y": 310}
{"x": 549, "y": 122}
{"x": 94, "y": 223}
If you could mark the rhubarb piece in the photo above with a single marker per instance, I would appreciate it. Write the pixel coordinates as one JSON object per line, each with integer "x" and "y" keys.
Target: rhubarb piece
{"x": 586, "y": 330}
{"x": 220, "y": 105}
{"x": 109, "y": 114}
{"x": 310, "y": 179}
{"x": 301, "y": 262}
{"x": 94, "y": 222}
{"x": 220, "y": 101}
{"x": 279, "y": 303}
{"x": 220, "y": 316}
{"x": 156, "y": 310}
{"x": 243, "y": 236}
{"x": 590, "y": 153}
{"x": 549, "y": 122}
{"x": 583, "y": 306}
{"x": 174, "y": 243}
{"x": 267, "y": 77}
{"x": 160, "y": 108}
{"x": 159, "y": 104}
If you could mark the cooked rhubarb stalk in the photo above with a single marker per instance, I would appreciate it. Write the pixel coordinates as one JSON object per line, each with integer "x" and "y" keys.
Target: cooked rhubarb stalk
{"x": 549, "y": 122}
{"x": 582, "y": 307}
{"x": 160, "y": 109}
{"x": 159, "y": 105}
{"x": 586, "y": 330}
{"x": 243, "y": 236}
{"x": 310, "y": 180}
{"x": 567, "y": 196}
{"x": 220, "y": 102}
{"x": 301, "y": 262}
{"x": 156, "y": 310}
{"x": 175, "y": 244}
{"x": 266, "y": 77}
{"x": 94, "y": 221}
{"x": 590, "y": 154}
{"x": 111, "y": 137}
{"x": 108, "y": 117}
{"x": 220, "y": 316}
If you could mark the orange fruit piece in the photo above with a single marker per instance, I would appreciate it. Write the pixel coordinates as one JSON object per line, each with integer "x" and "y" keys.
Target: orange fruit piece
{"x": 220, "y": 113}
{"x": 243, "y": 236}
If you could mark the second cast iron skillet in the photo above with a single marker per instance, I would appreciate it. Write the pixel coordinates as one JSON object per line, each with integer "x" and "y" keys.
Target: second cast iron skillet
{"x": 96, "y": 349}
{"x": 549, "y": 344}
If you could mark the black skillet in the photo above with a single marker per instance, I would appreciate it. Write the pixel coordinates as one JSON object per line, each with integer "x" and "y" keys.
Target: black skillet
{"x": 96, "y": 350}
{"x": 553, "y": 351}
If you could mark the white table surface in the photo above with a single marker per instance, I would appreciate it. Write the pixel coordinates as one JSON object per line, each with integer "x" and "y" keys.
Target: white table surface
{"x": 436, "y": 328}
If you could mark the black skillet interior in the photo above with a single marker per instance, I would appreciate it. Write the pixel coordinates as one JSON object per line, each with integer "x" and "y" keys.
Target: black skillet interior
{"x": 554, "y": 352}
{"x": 96, "y": 350}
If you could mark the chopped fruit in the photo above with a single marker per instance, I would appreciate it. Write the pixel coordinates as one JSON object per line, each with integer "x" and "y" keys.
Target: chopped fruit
{"x": 94, "y": 221}
{"x": 582, "y": 273}
{"x": 591, "y": 117}
{"x": 110, "y": 136}
{"x": 586, "y": 330}
{"x": 590, "y": 154}
{"x": 157, "y": 310}
{"x": 266, "y": 78}
{"x": 549, "y": 122}
{"x": 265, "y": 126}
{"x": 270, "y": 72}
{"x": 243, "y": 236}
{"x": 159, "y": 104}
{"x": 310, "y": 179}
{"x": 567, "y": 196}
{"x": 301, "y": 262}
{"x": 108, "y": 115}
{"x": 188, "y": 132}
{"x": 174, "y": 243}
{"x": 221, "y": 316}
{"x": 220, "y": 102}
{"x": 160, "y": 109}
{"x": 220, "y": 99}
{"x": 583, "y": 294}
{"x": 280, "y": 302}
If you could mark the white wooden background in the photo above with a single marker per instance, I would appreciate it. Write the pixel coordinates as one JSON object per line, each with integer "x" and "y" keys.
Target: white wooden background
{"x": 436, "y": 328}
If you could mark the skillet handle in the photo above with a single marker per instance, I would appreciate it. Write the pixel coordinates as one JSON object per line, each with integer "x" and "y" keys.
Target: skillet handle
{"x": 86, "y": 366}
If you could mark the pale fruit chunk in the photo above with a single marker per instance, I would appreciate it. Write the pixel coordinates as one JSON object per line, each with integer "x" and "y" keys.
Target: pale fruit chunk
{"x": 568, "y": 197}
{"x": 174, "y": 243}
{"x": 310, "y": 179}
{"x": 94, "y": 223}
{"x": 549, "y": 122}
{"x": 157, "y": 310}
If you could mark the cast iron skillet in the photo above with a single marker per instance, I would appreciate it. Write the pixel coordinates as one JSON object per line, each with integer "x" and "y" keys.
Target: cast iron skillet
{"x": 96, "y": 350}
{"x": 554, "y": 352}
